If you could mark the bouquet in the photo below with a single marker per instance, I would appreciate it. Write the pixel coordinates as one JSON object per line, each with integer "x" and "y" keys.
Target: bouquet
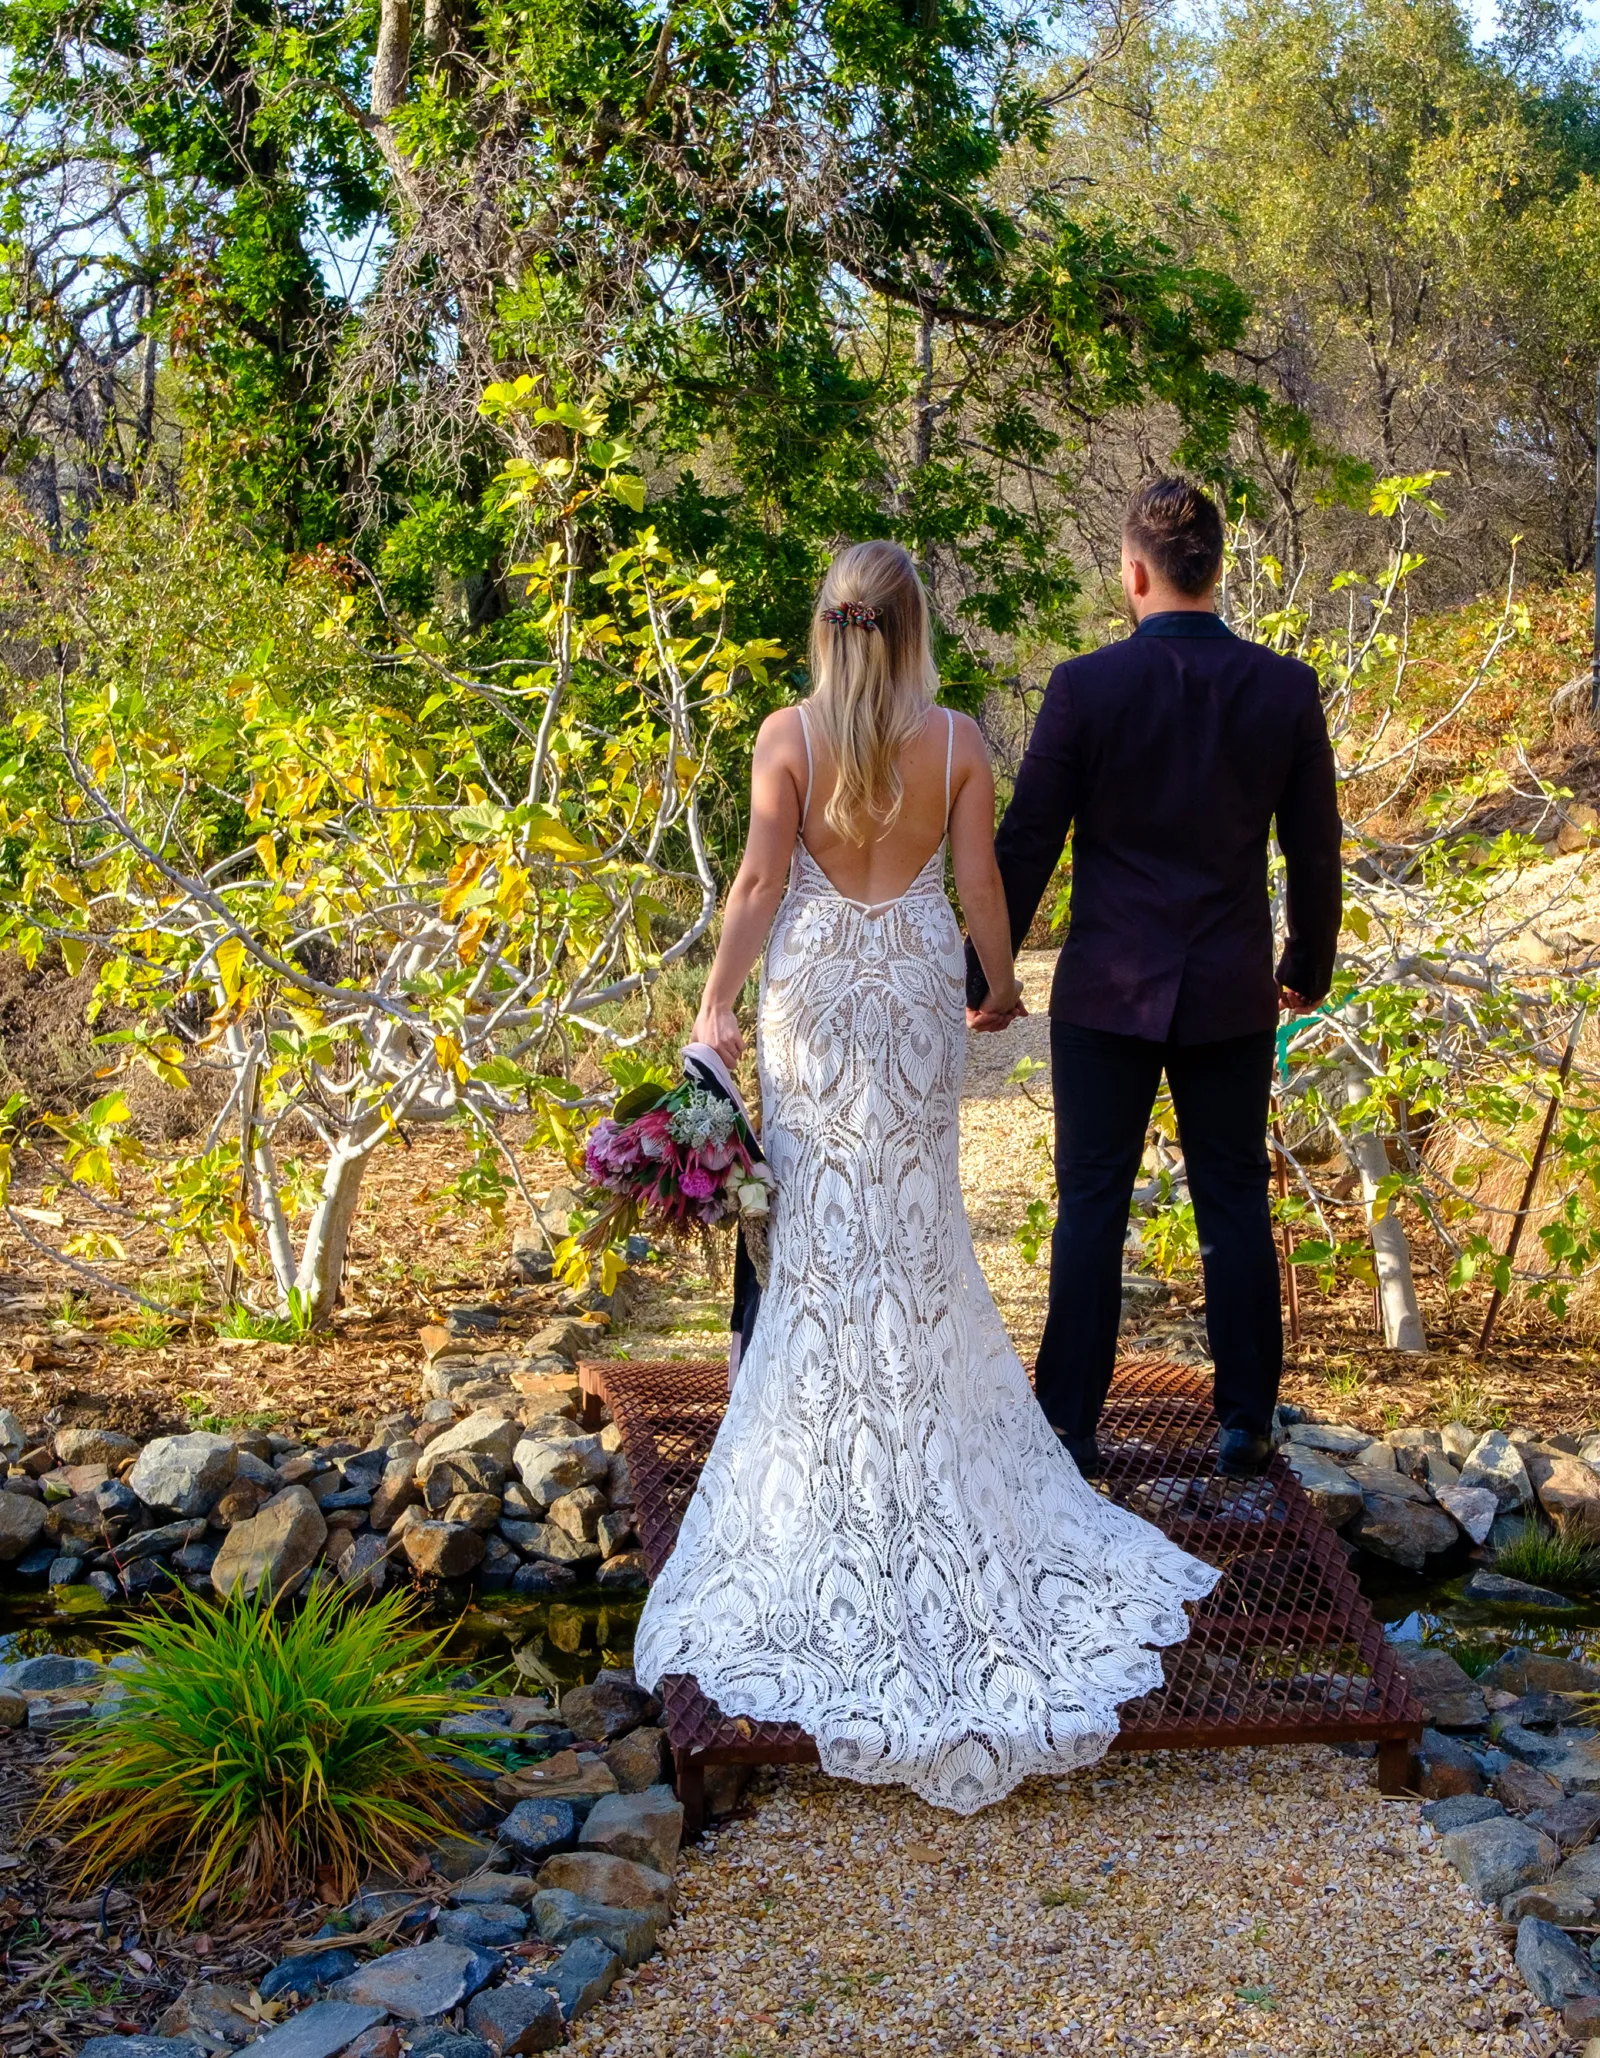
{"x": 678, "y": 1159}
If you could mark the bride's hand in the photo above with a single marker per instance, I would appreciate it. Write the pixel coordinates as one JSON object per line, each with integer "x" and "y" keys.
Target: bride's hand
{"x": 718, "y": 1025}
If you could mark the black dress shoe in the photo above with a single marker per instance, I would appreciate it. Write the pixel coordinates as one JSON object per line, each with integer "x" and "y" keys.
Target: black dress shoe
{"x": 1084, "y": 1452}
{"x": 1243, "y": 1455}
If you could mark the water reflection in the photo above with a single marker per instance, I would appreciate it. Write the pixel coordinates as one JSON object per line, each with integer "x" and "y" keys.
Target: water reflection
{"x": 1435, "y": 1611}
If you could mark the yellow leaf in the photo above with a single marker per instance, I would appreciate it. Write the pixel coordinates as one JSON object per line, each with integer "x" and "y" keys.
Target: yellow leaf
{"x": 230, "y": 963}
{"x": 471, "y": 934}
{"x": 548, "y": 832}
{"x": 267, "y": 851}
{"x": 74, "y": 950}
{"x": 448, "y": 1052}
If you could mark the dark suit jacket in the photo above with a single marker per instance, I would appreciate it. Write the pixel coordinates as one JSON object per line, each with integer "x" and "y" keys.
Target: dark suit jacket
{"x": 1170, "y": 756}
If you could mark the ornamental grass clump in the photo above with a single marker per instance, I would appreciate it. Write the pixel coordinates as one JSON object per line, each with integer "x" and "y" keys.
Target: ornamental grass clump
{"x": 1543, "y": 1558}
{"x": 256, "y": 1756}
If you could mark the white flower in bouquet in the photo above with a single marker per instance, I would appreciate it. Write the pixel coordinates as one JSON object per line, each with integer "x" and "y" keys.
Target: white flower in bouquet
{"x": 753, "y": 1197}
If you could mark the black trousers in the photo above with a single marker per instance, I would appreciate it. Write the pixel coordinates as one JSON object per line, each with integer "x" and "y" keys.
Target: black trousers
{"x": 1105, "y": 1087}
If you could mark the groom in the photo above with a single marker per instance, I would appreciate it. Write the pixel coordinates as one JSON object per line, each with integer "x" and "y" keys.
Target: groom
{"x": 1171, "y": 756}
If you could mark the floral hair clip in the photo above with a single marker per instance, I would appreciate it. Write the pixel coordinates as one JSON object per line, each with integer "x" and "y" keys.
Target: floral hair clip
{"x": 852, "y": 615}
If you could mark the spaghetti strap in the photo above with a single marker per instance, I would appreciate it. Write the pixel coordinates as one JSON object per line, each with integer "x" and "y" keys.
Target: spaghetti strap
{"x": 805, "y": 805}
{"x": 949, "y": 753}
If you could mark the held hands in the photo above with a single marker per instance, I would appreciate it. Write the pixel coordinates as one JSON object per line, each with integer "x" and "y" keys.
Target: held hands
{"x": 1292, "y": 1003}
{"x": 718, "y": 1025}
{"x": 998, "y": 1010}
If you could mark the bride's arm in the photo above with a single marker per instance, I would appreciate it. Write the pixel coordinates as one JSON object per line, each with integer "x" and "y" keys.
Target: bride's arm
{"x": 763, "y": 873}
{"x": 983, "y": 897}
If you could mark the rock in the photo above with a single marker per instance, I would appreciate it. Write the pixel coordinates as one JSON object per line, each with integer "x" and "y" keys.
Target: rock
{"x": 1449, "y": 1698}
{"x": 1328, "y": 1486}
{"x": 530, "y": 1261}
{"x": 443, "y": 1550}
{"x": 422, "y": 1981}
{"x": 560, "y": 1466}
{"x": 1556, "y": 1970}
{"x": 611, "y": 1705}
{"x": 614, "y": 1531}
{"x": 582, "y": 1976}
{"x": 1523, "y": 1788}
{"x": 1456, "y": 1811}
{"x": 1494, "y": 1589}
{"x": 1406, "y": 1531}
{"x": 479, "y": 1511}
{"x": 646, "y": 1827}
{"x": 475, "y": 1472}
{"x": 141, "y": 2047}
{"x": 1581, "y": 1872}
{"x": 500, "y": 1565}
{"x": 22, "y": 1523}
{"x": 187, "y": 1475}
{"x": 272, "y": 1549}
{"x": 632, "y": 1933}
{"x": 458, "y": 1857}
{"x": 13, "y": 1710}
{"x": 492, "y": 1925}
{"x": 445, "y": 2042}
{"x": 536, "y": 1582}
{"x": 1572, "y": 1820}
{"x": 546, "y": 1540}
{"x": 515, "y": 2019}
{"x": 50, "y": 1672}
{"x": 1563, "y": 1906}
{"x": 638, "y": 1760}
{"x": 319, "y": 2031}
{"x": 1523, "y": 1671}
{"x": 215, "y": 2016}
{"x": 381, "y": 2041}
{"x": 578, "y": 1513}
{"x": 307, "y": 1975}
{"x": 1331, "y": 1437}
{"x": 1474, "y": 1507}
{"x": 64, "y": 1572}
{"x": 625, "y": 1573}
{"x": 396, "y": 1491}
{"x": 563, "y": 1777}
{"x": 538, "y": 1828}
{"x": 619, "y": 1882}
{"x": 1378, "y": 1461}
{"x": 13, "y": 1437}
{"x": 494, "y": 1889}
{"x": 88, "y": 1446}
{"x": 566, "y": 1339}
{"x": 1498, "y": 1856}
{"x": 1494, "y": 1463}
{"x": 1568, "y": 1490}
{"x": 487, "y": 1431}
{"x": 155, "y": 1543}
{"x": 365, "y": 1566}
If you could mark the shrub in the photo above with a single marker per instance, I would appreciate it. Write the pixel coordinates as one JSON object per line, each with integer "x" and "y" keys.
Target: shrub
{"x": 256, "y": 1756}
{"x": 1545, "y": 1559}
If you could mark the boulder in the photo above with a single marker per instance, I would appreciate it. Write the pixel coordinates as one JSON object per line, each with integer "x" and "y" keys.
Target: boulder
{"x": 445, "y": 2042}
{"x": 479, "y": 1511}
{"x": 1328, "y": 1487}
{"x": 1495, "y": 1463}
{"x": 1556, "y": 1970}
{"x": 1523, "y": 1787}
{"x": 1474, "y": 1507}
{"x": 617, "y": 1882}
{"x": 536, "y": 1829}
{"x": 491, "y": 1924}
{"x": 563, "y": 1777}
{"x": 609, "y": 1706}
{"x": 578, "y": 1513}
{"x": 560, "y": 1465}
{"x": 141, "y": 2047}
{"x": 308, "y": 1974}
{"x": 396, "y": 1491}
{"x": 545, "y": 1540}
{"x": 22, "y": 1523}
{"x": 1404, "y": 1530}
{"x": 1450, "y": 1699}
{"x": 625, "y": 1573}
{"x": 475, "y": 1472}
{"x": 638, "y": 1760}
{"x": 494, "y": 1889}
{"x": 1568, "y": 1491}
{"x": 13, "y": 1437}
{"x": 1572, "y": 1820}
{"x": 568, "y": 1338}
{"x": 443, "y": 1550}
{"x": 1524, "y": 1671}
{"x": 1581, "y": 1872}
{"x": 646, "y": 1827}
{"x": 50, "y": 1673}
{"x": 364, "y": 1568}
{"x": 1500, "y": 1855}
{"x": 1563, "y": 1906}
{"x": 515, "y": 2019}
{"x": 186, "y": 1475}
{"x": 1334, "y": 1438}
{"x": 422, "y": 1981}
{"x": 487, "y": 1431}
{"x": 540, "y": 1580}
{"x": 1496, "y": 1591}
{"x": 216, "y": 2016}
{"x": 582, "y": 1976}
{"x": 320, "y": 2031}
{"x": 1455, "y": 1811}
{"x": 90, "y": 1446}
{"x": 561, "y": 1917}
{"x": 271, "y": 1551}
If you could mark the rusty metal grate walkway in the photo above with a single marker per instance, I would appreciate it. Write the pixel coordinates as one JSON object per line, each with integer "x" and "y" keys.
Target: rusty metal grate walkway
{"x": 1284, "y": 1650}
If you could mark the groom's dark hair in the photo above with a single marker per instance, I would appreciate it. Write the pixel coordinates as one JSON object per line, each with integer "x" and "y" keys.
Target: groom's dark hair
{"x": 1176, "y": 528}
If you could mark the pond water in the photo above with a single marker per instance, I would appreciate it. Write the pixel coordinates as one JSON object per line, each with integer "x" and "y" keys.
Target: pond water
{"x": 561, "y": 1643}
{"x": 1434, "y": 1610}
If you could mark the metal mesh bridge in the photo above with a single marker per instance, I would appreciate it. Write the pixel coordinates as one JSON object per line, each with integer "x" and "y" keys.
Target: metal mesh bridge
{"x": 1284, "y": 1649}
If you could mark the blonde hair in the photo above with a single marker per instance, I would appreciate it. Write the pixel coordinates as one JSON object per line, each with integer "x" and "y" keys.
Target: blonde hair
{"x": 873, "y": 680}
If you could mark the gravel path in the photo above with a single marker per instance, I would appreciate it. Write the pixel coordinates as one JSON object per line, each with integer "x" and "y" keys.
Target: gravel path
{"x": 1247, "y": 1904}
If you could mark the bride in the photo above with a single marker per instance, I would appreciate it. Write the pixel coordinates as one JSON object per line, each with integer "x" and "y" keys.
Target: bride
{"x": 888, "y": 1544}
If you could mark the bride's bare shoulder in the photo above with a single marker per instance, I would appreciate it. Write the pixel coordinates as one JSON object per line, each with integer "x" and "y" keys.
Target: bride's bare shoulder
{"x": 781, "y": 737}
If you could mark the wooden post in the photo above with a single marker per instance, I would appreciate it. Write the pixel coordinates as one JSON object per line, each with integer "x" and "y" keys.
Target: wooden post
{"x": 1531, "y": 1182}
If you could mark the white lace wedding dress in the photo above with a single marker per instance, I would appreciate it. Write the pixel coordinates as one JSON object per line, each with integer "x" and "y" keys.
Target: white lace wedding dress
{"x": 888, "y": 1544}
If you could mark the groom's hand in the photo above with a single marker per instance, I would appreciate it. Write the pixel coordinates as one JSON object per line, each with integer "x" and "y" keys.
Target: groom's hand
{"x": 1292, "y": 1003}
{"x": 988, "y": 1017}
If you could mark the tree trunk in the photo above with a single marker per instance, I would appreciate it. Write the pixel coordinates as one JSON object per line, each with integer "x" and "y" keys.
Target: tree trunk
{"x": 392, "y": 60}
{"x": 328, "y": 1238}
{"x": 1397, "y": 1291}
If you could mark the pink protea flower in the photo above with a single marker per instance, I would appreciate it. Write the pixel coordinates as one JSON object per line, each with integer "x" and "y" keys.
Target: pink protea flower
{"x": 697, "y": 1183}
